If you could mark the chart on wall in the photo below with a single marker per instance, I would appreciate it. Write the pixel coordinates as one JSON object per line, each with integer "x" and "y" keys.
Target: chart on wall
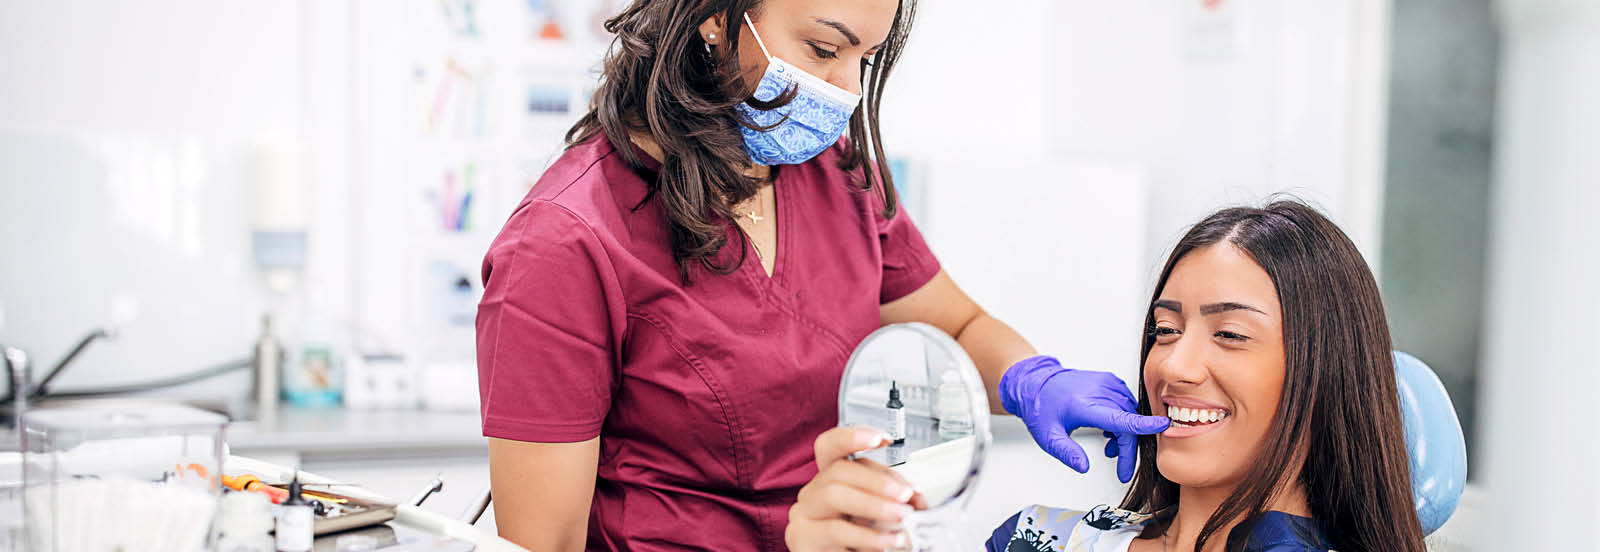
{"x": 474, "y": 99}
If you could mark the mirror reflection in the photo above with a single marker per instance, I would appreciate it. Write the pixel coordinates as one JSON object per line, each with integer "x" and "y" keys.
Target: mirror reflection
{"x": 916, "y": 384}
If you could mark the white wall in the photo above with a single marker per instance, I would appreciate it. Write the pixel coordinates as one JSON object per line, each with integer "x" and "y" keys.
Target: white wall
{"x": 1283, "y": 103}
{"x": 127, "y": 137}
{"x": 1539, "y": 365}
{"x": 1065, "y": 145}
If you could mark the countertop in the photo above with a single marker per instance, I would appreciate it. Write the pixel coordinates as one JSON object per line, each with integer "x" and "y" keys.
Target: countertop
{"x": 318, "y": 430}
{"x": 334, "y": 430}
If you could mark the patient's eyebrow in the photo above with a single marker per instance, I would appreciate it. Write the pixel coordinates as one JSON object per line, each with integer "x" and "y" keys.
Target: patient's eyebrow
{"x": 1168, "y": 304}
{"x": 1217, "y": 308}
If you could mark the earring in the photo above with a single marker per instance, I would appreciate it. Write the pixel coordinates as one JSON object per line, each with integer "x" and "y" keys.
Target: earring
{"x": 711, "y": 37}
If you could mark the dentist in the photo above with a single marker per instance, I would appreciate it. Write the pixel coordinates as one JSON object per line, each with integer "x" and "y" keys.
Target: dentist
{"x": 667, "y": 314}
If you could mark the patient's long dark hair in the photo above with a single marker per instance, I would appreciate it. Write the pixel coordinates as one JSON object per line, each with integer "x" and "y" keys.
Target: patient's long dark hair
{"x": 1339, "y": 406}
{"x": 660, "y": 79}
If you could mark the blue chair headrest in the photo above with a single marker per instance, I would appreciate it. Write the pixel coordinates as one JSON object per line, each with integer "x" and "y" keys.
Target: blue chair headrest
{"x": 1433, "y": 439}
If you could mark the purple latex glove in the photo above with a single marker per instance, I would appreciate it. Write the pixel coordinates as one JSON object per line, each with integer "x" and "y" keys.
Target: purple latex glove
{"x": 1053, "y": 401}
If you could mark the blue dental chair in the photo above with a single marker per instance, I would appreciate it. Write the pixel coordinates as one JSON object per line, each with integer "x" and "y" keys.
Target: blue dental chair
{"x": 1434, "y": 441}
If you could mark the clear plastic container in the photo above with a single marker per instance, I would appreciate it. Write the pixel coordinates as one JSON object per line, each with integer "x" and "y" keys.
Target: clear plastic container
{"x": 11, "y": 535}
{"x": 121, "y": 475}
{"x": 955, "y": 419}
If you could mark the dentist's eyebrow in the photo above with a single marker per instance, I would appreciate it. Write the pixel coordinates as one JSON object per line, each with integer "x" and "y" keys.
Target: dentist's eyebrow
{"x": 1168, "y": 304}
{"x": 1218, "y": 308}
{"x": 843, "y": 29}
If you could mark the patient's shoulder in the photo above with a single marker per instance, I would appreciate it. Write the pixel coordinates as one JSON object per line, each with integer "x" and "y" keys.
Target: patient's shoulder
{"x": 1041, "y": 528}
{"x": 1282, "y": 532}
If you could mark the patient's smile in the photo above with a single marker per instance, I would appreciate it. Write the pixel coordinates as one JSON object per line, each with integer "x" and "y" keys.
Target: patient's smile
{"x": 1195, "y": 416}
{"x": 1191, "y": 417}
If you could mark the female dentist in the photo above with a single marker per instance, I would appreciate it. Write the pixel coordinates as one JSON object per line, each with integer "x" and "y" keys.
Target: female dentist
{"x": 667, "y": 314}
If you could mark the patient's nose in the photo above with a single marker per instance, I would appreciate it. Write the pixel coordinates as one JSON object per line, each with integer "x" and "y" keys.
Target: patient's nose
{"x": 1184, "y": 363}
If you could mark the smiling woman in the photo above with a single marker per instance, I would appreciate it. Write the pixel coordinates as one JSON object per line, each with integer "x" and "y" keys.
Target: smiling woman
{"x": 1266, "y": 344}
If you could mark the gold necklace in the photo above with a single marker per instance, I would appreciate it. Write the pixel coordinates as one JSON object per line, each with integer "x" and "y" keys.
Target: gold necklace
{"x": 756, "y": 216}
{"x": 762, "y": 206}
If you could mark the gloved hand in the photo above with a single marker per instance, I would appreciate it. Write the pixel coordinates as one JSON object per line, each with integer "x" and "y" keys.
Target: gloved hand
{"x": 1053, "y": 401}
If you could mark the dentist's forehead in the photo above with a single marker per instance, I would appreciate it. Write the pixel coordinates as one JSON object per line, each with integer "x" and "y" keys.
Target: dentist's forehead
{"x": 868, "y": 21}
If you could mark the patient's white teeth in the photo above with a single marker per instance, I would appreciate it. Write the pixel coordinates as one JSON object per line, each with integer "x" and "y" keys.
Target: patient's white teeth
{"x": 1196, "y": 415}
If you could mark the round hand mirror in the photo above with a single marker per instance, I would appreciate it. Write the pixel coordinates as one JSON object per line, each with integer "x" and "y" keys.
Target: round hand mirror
{"x": 917, "y": 384}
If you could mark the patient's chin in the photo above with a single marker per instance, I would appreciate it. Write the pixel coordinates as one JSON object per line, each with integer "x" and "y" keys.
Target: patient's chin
{"x": 1196, "y": 468}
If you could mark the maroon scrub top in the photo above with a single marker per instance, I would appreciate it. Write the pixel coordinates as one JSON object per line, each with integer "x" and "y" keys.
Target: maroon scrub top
{"x": 706, "y": 397}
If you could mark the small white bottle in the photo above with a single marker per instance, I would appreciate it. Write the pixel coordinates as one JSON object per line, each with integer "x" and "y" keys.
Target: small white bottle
{"x": 294, "y": 532}
{"x": 955, "y": 418}
{"x": 897, "y": 416}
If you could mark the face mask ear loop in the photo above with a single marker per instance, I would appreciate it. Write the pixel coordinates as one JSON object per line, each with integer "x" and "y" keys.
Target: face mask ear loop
{"x": 757, "y": 35}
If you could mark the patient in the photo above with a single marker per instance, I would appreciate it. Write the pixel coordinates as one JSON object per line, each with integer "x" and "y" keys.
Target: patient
{"x": 1265, "y": 343}
{"x": 1267, "y": 346}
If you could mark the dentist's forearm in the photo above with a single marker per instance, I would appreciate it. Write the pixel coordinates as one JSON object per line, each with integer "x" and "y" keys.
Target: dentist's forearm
{"x": 994, "y": 347}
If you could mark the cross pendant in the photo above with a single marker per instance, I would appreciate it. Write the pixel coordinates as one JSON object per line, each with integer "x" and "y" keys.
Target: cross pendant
{"x": 754, "y": 218}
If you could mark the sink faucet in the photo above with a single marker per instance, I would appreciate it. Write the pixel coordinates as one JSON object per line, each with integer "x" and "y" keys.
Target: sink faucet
{"x": 41, "y": 388}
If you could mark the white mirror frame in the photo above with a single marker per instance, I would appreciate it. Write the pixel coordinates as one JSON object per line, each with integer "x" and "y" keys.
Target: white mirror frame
{"x": 978, "y": 402}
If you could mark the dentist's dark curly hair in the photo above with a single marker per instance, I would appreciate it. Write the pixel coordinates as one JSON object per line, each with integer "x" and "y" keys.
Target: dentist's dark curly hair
{"x": 660, "y": 79}
{"x": 1338, "y": 423}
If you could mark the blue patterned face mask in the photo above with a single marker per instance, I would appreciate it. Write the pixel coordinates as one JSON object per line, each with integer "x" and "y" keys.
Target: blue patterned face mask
{"x": 816, "y": 118}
